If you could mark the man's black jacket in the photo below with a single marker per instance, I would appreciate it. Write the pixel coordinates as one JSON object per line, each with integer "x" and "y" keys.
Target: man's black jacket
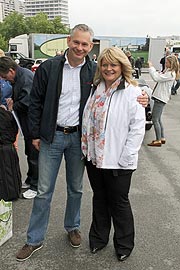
{"x": 44, "y": 97}
{"x": 21, "y": 97}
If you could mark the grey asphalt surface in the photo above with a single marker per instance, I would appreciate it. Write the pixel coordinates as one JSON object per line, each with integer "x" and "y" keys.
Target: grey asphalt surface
{"x": 155, "y": 199}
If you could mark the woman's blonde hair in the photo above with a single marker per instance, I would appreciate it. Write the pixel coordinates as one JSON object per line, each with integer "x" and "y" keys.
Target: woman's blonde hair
{"x": 174, "y": 65}
{"x": 114, "y": 55}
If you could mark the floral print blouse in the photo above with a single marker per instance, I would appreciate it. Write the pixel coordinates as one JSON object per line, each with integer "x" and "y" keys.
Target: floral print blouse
{"x": 94, "y": 123}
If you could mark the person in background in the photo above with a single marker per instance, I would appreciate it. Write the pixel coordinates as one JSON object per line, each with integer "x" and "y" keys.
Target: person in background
{"x": 60, "y": 90}
{"x": 59, "y": 53}
{"x": 5, "y": 93}
{"x": 161, "y": 95}
{"x": 163, "y": 59}
{"x": 94, "y": 58}
{"x": 10, "y": 174}
{"x": 138, "y": 65}
{"x": 177, "y": 81}
{"x": 131, "y": 58}
{"x": 112, "y": 132}
{"x": 5, "y": 87}
{"x": 21, "y": 80}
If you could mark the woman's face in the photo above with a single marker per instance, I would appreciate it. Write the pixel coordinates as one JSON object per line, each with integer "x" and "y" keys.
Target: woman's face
{"x": 110, "y": 71}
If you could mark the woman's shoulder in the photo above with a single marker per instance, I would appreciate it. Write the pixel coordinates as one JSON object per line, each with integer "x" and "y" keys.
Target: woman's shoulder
{"x": 133, "y": 90}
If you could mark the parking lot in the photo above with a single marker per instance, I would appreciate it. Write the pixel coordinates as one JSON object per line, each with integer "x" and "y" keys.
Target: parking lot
{"x": 155, "y": 199}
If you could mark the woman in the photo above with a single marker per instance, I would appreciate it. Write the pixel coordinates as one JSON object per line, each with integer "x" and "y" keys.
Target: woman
{"x": 112, "y": 132}
{"x": 161, "y": 95}
{"x": 10, "y": 175}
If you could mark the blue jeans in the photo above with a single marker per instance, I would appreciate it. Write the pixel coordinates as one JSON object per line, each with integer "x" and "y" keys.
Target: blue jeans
{"x": 156, "y": 118}
{"x": 50, "y": 157}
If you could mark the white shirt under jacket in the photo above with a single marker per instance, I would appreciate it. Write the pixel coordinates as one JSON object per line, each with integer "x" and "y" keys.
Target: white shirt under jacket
{"x": 125, "y": 129}
{"x": 165, "y": 82}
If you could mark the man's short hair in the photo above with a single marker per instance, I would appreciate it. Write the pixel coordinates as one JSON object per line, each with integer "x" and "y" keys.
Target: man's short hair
{"x": 83, "y": 28}
{"x": 6, "y": 63}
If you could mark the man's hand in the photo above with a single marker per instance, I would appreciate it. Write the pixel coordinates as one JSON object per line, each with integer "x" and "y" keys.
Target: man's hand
{"x": 9, "y": 102}
{"x": 3, "y": 106}
{"x": 143, "y": 99}
{"x": 36, "y": 143}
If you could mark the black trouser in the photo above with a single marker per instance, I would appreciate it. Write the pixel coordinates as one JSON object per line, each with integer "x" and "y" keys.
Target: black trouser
{"x": 110, "y": 200}
{"x": 30, "y": 151}
{"x": 32, "y": 160}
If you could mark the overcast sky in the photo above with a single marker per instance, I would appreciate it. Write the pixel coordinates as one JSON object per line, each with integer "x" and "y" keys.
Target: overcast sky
{"x": 127, "y": 18}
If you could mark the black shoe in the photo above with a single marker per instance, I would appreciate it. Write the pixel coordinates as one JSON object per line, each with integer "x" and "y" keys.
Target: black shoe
{"x": 122, "y": 257}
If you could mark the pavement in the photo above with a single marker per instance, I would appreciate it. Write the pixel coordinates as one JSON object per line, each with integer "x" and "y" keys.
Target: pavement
{"x": 155, "y": 199}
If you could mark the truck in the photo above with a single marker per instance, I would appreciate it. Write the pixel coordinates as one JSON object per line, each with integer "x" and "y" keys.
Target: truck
{"x": 176, "y": 49}
{"x": 46, "y": 45}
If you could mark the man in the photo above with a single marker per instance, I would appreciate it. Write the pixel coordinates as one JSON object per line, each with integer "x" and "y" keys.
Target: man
{"x": 177, "y": 81}
{"x": 163, "y": 59}
{"x": 5, "y": 87}
{"x": 22, "y": 80}
{"x": 138, "y": 65}
{"x": 94, "y": 58}
{"x": 60, "y": 90}
{"x": 59, "y": 53}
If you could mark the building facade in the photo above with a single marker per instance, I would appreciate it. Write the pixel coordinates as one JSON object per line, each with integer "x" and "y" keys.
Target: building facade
{"x": 8, "y": 6}
{"x": 52, "y": 8}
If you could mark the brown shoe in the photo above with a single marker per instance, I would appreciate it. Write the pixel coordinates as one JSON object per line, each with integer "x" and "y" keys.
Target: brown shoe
{"x": 75, "y": 238}
{"x": 27, "y": 251}
{"x": 155, "y": 143}
{"x": 163, "y": 141}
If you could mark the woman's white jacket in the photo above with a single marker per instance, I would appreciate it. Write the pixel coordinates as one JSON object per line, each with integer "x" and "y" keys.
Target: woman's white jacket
{"x": 164, "y": 81}
{"x": 125, "y": 128}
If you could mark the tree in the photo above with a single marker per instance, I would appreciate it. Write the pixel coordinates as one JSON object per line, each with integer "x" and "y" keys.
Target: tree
{"x": 3, "y": 43}
{"x": 16, "y": 24}
{"x": 146, "y": 45}
{"x": 58, "y": 26}
{"x": 39, "y": 24}
{"x": 13, "y": 25}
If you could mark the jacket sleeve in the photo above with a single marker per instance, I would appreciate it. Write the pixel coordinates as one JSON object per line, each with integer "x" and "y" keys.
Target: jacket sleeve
{"x": 135, "y": 134}
{"x": 23, "y": 87}
{"x": 161, "y": 77}
{"x": 37, "y": 96}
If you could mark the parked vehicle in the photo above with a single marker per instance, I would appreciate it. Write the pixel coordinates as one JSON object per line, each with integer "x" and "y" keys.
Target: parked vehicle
{"x": 148, "y": 110}
{"x": 37, "y": 63}
{"x": 22, "y": 60}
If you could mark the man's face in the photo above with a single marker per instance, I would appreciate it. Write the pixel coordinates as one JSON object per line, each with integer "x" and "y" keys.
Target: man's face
{"x": 9, "y": 76}
{"x": 80, "y": 45}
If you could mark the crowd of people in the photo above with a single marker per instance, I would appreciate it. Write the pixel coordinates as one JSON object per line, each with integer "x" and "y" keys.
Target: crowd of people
{"x": 96, "y": 119}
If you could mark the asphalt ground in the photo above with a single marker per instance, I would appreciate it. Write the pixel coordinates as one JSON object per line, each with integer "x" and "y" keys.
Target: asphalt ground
{"x": 155, "y": 200}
